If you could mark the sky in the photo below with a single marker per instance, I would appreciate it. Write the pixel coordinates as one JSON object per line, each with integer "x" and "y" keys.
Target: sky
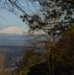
{"x": 10, "y": 19}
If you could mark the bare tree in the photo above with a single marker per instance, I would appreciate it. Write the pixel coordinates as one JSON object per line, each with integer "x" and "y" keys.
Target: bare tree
{"x": 2, "y": 62}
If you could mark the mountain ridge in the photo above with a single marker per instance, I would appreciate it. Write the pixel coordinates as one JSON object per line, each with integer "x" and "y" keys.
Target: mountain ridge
{"x": 14, "y": 30}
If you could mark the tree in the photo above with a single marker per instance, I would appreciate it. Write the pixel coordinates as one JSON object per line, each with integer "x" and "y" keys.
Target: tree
{"x": 59, "y": 63}
{"x": 53, "y": 16}
{"x": 62, "y": 59}
{"x": 30, "y": 58}
{"x": 2, "y": 63}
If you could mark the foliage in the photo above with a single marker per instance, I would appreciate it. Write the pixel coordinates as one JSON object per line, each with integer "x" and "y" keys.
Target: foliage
{"x": 57, "y": 59}
{"x": 30, "y": 59}
{"x": 3, "y": 63}
{"x": 61, "y": 61}
{"x": 53, "y": 16}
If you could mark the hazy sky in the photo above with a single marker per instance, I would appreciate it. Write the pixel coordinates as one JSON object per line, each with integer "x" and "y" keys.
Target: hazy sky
{"x": 9, "y": 19}
{"x": 12, "y": 19}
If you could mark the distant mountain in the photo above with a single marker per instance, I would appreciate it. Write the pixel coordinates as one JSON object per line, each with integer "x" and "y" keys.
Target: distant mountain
{"x": 16, "y": 35}
{"x": 14, "y": 30}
